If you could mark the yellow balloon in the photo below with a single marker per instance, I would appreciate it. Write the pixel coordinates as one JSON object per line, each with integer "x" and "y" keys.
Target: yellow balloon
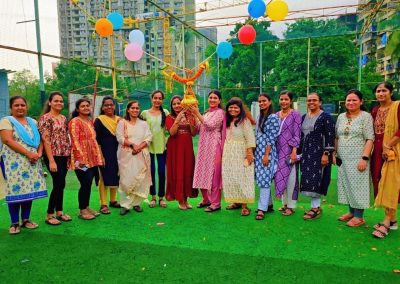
{"x": 277, "y": 10}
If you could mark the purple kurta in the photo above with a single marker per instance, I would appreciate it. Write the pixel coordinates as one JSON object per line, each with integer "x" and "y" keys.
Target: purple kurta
{"x": 289, "y": 138}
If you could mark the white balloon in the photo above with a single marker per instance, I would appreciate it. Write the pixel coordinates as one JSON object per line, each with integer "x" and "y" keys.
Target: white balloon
{"x": 136, "y": 36}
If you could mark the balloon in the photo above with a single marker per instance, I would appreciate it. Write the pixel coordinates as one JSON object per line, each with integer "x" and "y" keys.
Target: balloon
{"x": 256, "y": 8}
{"x": 104, "y": 27}
{"x": 224, "y": 49}
{"x": 136, "y": 36}
{"x": 133, "y": 52}
{"x": 277, "y": 10}
{"x": 247, "y": 34}
{"x": 117, "y": 20}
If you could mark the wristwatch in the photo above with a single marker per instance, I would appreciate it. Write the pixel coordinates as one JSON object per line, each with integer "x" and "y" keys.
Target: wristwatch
{"x": 365, "y": 158}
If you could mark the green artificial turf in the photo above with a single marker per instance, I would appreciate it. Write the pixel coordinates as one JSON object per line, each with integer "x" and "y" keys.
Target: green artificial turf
{"x": 170, "y": 245}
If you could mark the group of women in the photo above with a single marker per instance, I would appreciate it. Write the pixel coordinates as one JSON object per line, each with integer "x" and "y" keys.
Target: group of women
{"x": 124, "y": 153}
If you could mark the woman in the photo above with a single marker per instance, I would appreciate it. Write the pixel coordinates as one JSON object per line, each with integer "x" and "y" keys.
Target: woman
{"x": 353, "y": 145}
{"x": 237, "y": 158}
{"x": 21, "y": 167}
{"x": 266, "y": 156}
{"x": 180, "y": 156}
{"x": 86, "y": 155}
{"x": 155, "y": 117}
{"x": 316, "y": 147}
{"x": 286, "y": 184}
{"x": 207, "y": 171}
{"x": 106, "y": 126}
{"x": 389, "y": 184}
{"x": 54, "y": 132}
{"x": 134, "y": 138}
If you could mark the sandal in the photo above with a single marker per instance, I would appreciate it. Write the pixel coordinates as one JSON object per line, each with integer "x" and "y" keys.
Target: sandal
{"x": 288, "y": 212}
{"x": 233, "y": 206}
{"x": 93, "y": 212}
{"x": 182, "y": 207}
{"x": 29, "y": 224}
{"x": 393, "y": 225}
{"x": 86, "y": 216}
{"x": 245, "y": 211}
{"x": 64, "y": 217}
{"x": 188, "y": 206}
{"x": 312, "y": 214}
{"x": 14, "y": 229}
{"x": 152, "y": 203}
{"x": 202, "y": 205}
{"x": 355, "y": 222}
{"x": 53, "y": 221}
{"x": 260, "y": 215}
{"x": 211, "y": 209}
{"x": 346, "y": 217}
{"x": 283, "y": 208}
{"x": 104, "y": 210}
{"x": 381, "y": 231}
{"x": 162, "y": 203}
{"x": 114, "y": 204}
{"x": 138, "y": 209}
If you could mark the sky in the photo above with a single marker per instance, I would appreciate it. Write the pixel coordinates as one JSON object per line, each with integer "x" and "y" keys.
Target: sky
{"x": 23, "y": 35}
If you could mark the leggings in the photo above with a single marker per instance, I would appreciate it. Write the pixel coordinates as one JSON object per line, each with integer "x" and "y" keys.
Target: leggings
{"x": 358, "y": 213}
{"x": 85, "y": 179}
{"x": 13, "y": 209}
{"x": 58, "y": 178}
{"x": 161, "y": 174}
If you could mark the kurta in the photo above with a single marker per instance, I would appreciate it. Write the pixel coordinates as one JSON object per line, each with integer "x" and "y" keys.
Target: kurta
{"x": 238, "y": 176}
{"x": 158, "y": 142}
{"x": 56, "y": 132}
{"x": 289, "y": 138}
{"x": 23, "y": 181}
{"x": 267, "y": 136}
{"x": 180, "y": 162}
{"x": 207, "y": 171}
{"x": 318, "y": 135}
{"x": 134, "y": 170}
{"x": 352, "y": 134}
{"x": 109, "y": 146}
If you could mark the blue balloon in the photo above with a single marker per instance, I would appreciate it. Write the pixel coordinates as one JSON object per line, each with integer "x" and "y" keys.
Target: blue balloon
{"x": 224, "y": 49}
{"x": 256, "y": 8}
{"x": 116, "y": 19}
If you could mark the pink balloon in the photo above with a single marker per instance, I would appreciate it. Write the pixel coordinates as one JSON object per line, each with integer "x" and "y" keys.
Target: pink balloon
{"x": 133, "y": 52}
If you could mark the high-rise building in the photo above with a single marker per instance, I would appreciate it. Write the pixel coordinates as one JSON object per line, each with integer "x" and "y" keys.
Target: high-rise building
{"x": 375, "y": 39}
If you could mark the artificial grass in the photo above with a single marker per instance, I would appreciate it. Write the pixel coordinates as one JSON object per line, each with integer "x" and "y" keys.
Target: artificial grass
{"x": 170, "y": 245}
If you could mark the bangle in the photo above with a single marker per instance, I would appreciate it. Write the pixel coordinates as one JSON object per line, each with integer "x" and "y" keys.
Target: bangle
{"x": 365, "y": 158}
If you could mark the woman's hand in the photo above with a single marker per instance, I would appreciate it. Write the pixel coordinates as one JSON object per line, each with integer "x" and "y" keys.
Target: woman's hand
{"x": 250, "y": 158}
{"x": 180, "y": 116}
{"x": 385, "y": 153}
{"x": 33, "y": 157}
{"x": 53, "y": 166}
{"x": 324, "y": 160}
{"x": 265, "y": 160}
{"x": 293, "y": 157}
{"x": 362, "y": 165}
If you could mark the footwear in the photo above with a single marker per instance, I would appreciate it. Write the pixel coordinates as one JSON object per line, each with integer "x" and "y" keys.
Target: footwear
{"x": 52, "y": 221}
{"x": 245, "y": 211}
{"x": 233, "y": 206}
{"x": 14, "y": 229}
{"x": 312, "y": 214}
{"x": 64, "y": 217}
{"x": 355, "y": 222}
{"x": 123, "y": 211}
{"x": 288, "y": 212}
{"x": 86, "y": 216}
{"x": 93, "y": 212}
{"x": 138, "y": 209}
{"x": 104, "y": 210}
{"x": 182, "y": 207}
{"x": 188, "y": 206}
{"x": 283, "y": 208}
{"x": 202, "y": 205}
{"x": 162, "y": 203}
{"x": 29, "y": 224}
{"x": 381, "y": 231}
{"x": 260, "y": 215}
{"x": 211, "y": 209}
{"x": 393, "y": 225}
{"x": 114, "y": 204}
{"x": 152, "y": 203}
{"x": 270, "y": 209}
{"x": 346, "y": 217}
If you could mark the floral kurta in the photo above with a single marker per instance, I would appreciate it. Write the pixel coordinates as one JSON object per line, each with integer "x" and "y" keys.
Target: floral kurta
{"x": 55, "y": 131}
{"x": 24, "y": 181}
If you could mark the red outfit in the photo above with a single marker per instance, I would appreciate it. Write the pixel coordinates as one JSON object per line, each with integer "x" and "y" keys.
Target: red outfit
{"x": 180, "y": 162}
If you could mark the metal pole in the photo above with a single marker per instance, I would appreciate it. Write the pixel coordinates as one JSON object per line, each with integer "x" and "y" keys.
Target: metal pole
{"x": 261, "y": 54}
{"x": 308, "y": 65}
{"x": 217, "y": 72}
{"x": 39, "y": 50}
{"x": 359, "y": 65}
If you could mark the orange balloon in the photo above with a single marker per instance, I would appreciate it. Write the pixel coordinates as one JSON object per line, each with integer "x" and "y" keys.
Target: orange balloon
{"x": 104, "y": 27}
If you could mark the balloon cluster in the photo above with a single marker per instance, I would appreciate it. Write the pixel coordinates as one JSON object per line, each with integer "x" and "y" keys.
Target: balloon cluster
{"x": 134, "y": 49}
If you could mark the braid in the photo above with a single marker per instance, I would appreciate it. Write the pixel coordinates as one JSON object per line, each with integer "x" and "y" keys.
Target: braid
{"x": 163, "y": 117}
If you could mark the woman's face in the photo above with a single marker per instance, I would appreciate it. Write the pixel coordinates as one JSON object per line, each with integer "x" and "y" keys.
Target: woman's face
{"x": 108, "y": 107}
{"x": 19, "y": 108}
{"x": 264, "y": 103}
{"x": 284, "y": 102}
{"x": 383, "y": 94}
{"x": 213, "y": 100}
{"x": 313, "y": 102}
{"x": 234, "y": 111}
{"x": 176, "y": 105}
{"x": 157, "y": 100}
{"x": 57, "y": 103}
{"x": 84, "y": 108}
{"x": 134, "y": 110}
{"x": 353, "y": 102}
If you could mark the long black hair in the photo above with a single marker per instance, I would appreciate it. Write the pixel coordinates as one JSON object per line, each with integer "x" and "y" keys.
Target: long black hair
{"x": 358, "y": 94}
{"x": 75, "y": 113}
{"x": 46, "y": 107}
{"x": 242, "y": 115}
{"x": 163, "y": 116}
{"x": 388, "y": 86}
{"x": 264, "y": 114}
{"x": 106, "y": 98}
{"x": 173, "y": 112}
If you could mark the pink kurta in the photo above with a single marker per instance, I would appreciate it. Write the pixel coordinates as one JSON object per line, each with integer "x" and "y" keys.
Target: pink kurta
{"x": 207, "y": 171}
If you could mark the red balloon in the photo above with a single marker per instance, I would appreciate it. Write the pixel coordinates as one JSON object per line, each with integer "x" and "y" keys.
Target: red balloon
{"x": 247, "y": 34}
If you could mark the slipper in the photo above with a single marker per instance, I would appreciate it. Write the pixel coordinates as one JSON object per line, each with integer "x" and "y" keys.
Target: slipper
{"x": 393, "y": 225}
{"x": 182, "y": 207}
{"x": 64, "y": 217}
{"x": 86, "y": 216}
{"x": 93, "y": 212}
{"x": 260, "y": 215}
{"x": 355, "y": 222}
{"x": 14, "y": 229}
{"x": 210, "y": 209}
{"x": 114, "y": 204}
{"x": 52, "y": 221}
{"x": 288, "y": 212}
{"x": 104, "y": 210}
{"x": 29, "y": 224}
{"x": 152, "y": 203}
{"x": 346, "y": 217}
{"x": 188, "y": 206}
{"x": 312, "y": 214}
{"x": 282, "y": 209}
{"x": 233, "y": 206}
{"x": 162, "y": 203}
{"x": 245, "y": 211}
{"x": 202, "y": 205}
{"x": 381, "y": 232}
{"x": 138, "y": 209}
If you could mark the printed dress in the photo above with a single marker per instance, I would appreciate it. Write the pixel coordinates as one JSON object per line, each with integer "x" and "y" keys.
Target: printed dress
{"x": 24, "y": 181}
{"x": 238, "y": 177}
{"x": 269, "y": 135}
{"x": 353, "y": 185}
